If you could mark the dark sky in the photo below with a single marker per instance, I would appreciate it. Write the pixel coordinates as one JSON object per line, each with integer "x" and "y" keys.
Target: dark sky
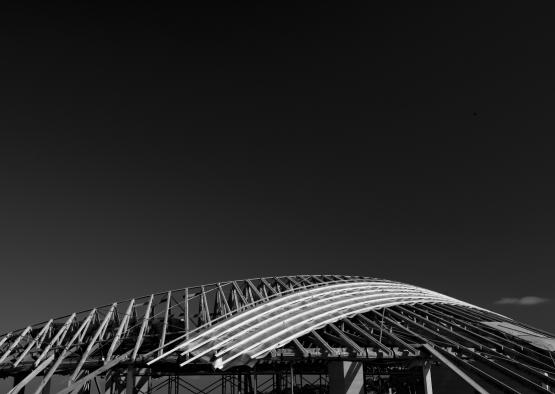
{"x": 150, "y": 148}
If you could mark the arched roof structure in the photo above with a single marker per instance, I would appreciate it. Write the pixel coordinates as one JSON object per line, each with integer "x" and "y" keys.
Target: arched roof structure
{"x": 257, "y": 322}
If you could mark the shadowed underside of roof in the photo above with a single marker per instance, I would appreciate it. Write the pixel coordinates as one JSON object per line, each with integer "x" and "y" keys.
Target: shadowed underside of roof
{"x": 258, "y": 321}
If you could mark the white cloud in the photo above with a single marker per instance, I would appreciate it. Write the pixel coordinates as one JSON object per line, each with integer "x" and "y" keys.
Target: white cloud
{"x": 526, "y": 301}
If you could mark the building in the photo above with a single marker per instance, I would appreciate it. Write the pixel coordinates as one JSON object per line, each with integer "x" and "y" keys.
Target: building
{"x": 291, "y": 334}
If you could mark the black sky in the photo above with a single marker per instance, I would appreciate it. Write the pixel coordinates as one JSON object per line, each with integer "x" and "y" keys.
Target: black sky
{"x": 148, "y": 148}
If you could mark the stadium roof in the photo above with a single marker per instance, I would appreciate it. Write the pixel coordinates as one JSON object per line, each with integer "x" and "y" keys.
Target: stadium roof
{"x": 243, "y": 323}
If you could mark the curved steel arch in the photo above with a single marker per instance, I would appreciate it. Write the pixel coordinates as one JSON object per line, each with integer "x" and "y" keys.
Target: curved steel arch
{"x": 242, "y": 323}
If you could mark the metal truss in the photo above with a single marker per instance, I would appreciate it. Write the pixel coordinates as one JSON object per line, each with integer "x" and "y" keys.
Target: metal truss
{"x": 242, "y": 335}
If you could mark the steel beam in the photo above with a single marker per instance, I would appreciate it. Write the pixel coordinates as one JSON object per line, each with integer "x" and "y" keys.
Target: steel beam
{"x": 14, "y": 344}
{"x": 92, "y": 342}
{"x": 452, "y": 367}
{"x": 58, "y": 337}
{"x": 146, "y": 318}
{"x": 65, "y": 351}
{"x": 165, "y": 323}
{"x": 19, "y": 386}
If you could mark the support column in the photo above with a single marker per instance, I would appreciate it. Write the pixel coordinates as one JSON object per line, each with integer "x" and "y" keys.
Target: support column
{"x": 247, "y": 384}
{"x": 427, "y": 376}
{"x": 346, "y": 377}
{"x": 292, "y": 380}
{"x": 130, "y": 380}
{"x": 278, "y": 381}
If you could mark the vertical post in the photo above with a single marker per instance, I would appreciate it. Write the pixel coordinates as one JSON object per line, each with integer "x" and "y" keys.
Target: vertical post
{"x": 186, "y": 313}
{"x": 165, "y": 325}
{"x": 292, "y": 380}
{"x": 427, "y": 375}
{"x": 278, "y": 381}
{"x": 233, "y": 384}
{"x": 545, "y": 385}
{"x": 130, "y": 380}
{"x": 255, "y": 383}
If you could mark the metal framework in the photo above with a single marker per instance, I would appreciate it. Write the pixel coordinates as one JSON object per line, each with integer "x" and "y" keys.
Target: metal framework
{"x": 278, "y": 334}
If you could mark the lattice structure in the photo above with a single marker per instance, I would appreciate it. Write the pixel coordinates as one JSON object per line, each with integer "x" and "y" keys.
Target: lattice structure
{"x": 240, "y": 335}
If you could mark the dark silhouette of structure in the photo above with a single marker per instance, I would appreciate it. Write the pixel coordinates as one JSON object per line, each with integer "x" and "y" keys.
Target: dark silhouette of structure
{"x": 291, "y": 334}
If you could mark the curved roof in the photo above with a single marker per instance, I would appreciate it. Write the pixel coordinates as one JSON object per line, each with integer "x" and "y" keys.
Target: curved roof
{"x": 247, "y": 322}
